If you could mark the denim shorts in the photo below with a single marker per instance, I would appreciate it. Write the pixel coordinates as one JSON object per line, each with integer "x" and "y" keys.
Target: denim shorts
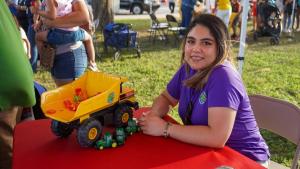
{"x": 60, "y": 37}
{"x": 70, "y": 65}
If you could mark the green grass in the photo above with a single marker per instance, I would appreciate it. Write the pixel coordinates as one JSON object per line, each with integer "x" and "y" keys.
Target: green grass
{"x": 268, "y": 70}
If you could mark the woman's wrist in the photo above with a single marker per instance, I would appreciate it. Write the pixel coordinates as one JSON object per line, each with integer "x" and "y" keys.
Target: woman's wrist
{"x": 166, "y": 131}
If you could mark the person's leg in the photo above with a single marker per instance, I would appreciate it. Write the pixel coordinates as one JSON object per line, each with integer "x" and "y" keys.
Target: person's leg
{"x": 189, "y": 16}
{"x": 222, "y": 15}
{"x": 298, "y": 17}
{"x": 284, "y": 22}
{"x": 89, "y": 46}
{"x": 33, "y": 48}
{"x": 258, "y": 16}
{"x": 80, "y": 56}
{"x": 183, "y": 16}
{"x": 186, "y": 16}
{"x": 233, "y": 26}
{"x": 40, "y": 38}
{"x": 8, "y": 120}
{"x": 289, "y": 22}
{"x": 254, "y": 23}
{"x": 227, "y": 14}
{"x": 172, "y": 7}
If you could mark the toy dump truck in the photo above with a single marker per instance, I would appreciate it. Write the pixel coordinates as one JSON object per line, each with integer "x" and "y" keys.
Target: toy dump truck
{"x": 94, "y": 100}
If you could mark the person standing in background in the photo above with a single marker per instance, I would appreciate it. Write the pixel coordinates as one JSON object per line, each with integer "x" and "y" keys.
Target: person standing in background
{"x": 287, "y": 16}
{"x": 31, "y": 34}
{"x": 187, "y": 8}
{"x": 16, "y": 88}
{"x": 70, "y": 59}
{"x": 223, "y": 10}
{"x": 59, "y": 36}
{"x": 236, "y": 21}
{"x": 172, "y": 5}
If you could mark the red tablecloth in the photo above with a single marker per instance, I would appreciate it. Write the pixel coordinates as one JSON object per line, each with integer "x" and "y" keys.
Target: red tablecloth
{"x": 35, "y": 147}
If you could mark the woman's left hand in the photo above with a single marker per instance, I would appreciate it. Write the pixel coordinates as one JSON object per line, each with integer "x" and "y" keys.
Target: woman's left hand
{"x": 152, "y": 124}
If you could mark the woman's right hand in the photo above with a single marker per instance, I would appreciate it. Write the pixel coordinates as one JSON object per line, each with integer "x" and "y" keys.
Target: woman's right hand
{"x": 152, "y": 124}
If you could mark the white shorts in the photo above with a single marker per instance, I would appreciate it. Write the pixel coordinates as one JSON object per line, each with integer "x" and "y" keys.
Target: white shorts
{"x": 224, "y": 15}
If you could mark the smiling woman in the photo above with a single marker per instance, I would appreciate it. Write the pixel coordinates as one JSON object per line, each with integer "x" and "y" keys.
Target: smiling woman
{"x": 200, "y": 48}
{"x": 213, "y": 102}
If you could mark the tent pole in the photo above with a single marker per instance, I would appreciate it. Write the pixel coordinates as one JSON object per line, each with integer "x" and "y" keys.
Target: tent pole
{"x": 243, "y": 35}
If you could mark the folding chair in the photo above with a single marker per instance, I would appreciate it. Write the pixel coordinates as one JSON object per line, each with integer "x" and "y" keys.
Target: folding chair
{"x": 279, "y": 117}
{"x": 157, "y": 29}
{"x": 174, "y": 27}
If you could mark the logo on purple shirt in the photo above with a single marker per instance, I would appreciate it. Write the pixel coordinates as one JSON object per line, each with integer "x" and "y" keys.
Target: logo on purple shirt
{"x": 202, "y": 98}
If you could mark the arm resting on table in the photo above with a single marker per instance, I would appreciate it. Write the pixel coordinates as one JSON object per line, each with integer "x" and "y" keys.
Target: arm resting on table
{"x": 215, "y": 134}
{"x": 162, "y": 104}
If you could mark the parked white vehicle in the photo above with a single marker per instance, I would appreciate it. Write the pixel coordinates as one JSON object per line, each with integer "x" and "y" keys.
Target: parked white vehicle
{"x": 136, "y": 6}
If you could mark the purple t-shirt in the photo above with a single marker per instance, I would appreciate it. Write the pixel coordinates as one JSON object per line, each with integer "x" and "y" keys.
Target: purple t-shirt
{"x": 224, "y": 88}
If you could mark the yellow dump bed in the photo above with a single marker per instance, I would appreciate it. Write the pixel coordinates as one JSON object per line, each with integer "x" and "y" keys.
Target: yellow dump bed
{"x": 100, "y": 91}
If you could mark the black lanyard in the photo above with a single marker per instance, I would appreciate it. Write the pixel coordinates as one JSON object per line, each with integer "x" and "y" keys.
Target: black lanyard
{"x": 189, "y": 110}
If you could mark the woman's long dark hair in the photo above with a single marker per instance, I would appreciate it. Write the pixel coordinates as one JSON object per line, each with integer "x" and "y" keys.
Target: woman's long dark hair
{"x": 219, "y": 31}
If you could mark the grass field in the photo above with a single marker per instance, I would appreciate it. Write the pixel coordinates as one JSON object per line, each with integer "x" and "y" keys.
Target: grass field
{"x": 268, "y": 70}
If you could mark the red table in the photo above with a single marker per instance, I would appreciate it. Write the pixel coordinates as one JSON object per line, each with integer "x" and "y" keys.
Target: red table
{"x": 35, "y": 147}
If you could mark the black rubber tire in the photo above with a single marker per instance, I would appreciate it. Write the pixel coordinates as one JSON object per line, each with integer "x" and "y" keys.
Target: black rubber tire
{"x": 273, "y": 41}
{"x": 122, "y": 114}
{"x": 136, "y": 9}
{"x": 61, "y": 129}
{"x": 88, "y": 126}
